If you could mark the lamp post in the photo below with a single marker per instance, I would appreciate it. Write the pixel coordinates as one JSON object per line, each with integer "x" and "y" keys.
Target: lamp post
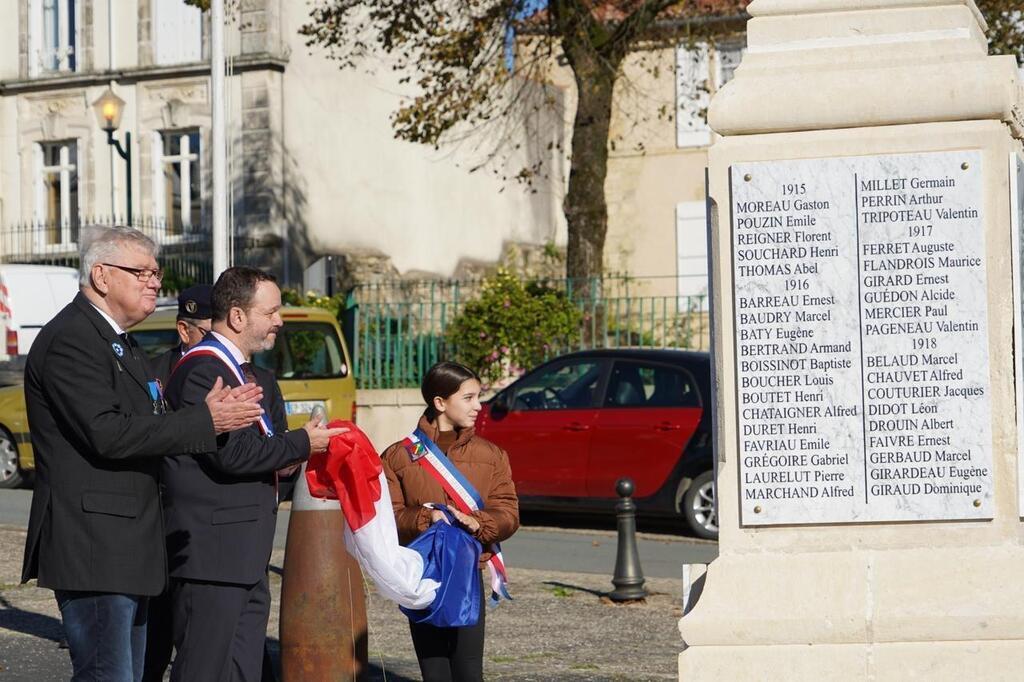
{"x": 109, "y": 108}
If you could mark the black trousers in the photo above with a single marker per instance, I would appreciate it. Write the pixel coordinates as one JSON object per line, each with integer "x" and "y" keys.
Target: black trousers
{"x": 219, "y": 631}
{"x": 160, "y": 641}
{"x": 159, "y": 637}
{"x": 452, "y": 654}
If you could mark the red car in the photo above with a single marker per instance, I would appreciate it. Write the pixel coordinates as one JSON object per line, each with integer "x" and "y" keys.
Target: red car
{"x": 575, "y": 425}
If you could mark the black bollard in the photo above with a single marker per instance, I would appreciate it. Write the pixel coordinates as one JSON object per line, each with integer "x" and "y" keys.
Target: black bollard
{"x": 629, "y": 577}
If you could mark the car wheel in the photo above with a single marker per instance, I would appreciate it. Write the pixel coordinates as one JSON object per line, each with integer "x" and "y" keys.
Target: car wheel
{"x": 698, "y": 506}
{"x": 10, "y": 474}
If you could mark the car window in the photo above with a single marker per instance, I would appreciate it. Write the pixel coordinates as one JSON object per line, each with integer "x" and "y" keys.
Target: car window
{"x": 305, "y": 350}
{"x": 155, "y": 342}
{"x": 565, "y": 386}
{"x": 634, "y": 384}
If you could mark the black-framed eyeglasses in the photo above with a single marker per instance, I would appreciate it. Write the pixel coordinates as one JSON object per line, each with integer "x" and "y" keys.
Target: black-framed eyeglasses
{"x": 141, "y": 274}
{"x": 202, "y": 332}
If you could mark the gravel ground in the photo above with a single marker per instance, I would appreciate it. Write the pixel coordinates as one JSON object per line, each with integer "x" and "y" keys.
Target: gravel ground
{"x": 559, "y": 627}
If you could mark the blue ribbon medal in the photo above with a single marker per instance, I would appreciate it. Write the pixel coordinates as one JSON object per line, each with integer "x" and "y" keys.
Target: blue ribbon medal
{"x": 156, "y": 392}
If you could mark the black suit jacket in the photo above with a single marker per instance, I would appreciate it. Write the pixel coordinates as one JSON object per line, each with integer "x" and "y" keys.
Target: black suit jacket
{"x": 220, "y": 507}
{"x": 95, "y": 522}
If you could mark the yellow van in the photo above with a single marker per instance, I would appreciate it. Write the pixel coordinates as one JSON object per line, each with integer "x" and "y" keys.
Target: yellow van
{"x": 309, "y": 358}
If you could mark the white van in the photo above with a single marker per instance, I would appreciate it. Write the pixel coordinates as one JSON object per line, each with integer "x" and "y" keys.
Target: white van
{"x": 30, "y": 295}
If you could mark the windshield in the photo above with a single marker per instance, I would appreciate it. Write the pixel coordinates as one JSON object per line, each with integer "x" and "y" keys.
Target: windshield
{"x": 303, "y": 350}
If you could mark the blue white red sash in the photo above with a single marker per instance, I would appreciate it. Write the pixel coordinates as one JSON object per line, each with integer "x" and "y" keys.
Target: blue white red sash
{"x": 212, "y": 347}
{"x": 425, "y": 453}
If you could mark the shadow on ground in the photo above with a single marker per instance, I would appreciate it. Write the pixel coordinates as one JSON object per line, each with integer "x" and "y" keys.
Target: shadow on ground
{"x": 28, "y": 623}
{"x": 374, "y": 672}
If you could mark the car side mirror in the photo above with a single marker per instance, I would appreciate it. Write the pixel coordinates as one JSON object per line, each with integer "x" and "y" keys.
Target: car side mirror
{"x": 499, "y": 408}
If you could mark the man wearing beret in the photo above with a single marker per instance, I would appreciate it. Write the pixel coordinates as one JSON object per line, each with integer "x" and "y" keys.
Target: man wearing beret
{"x": 194, "y": 320}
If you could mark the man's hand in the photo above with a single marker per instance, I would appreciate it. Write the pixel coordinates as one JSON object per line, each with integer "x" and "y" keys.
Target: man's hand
{"x": 319, "y": 437}
{"x": 233, "y": 408}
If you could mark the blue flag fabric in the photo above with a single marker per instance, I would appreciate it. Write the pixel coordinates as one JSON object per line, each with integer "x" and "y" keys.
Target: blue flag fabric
{"x": 451, "y": 556}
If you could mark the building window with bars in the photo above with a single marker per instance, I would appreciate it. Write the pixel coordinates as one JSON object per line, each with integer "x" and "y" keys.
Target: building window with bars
{"x": 176, "y": 180}
{"x": 53, "y": 36}
{"x": 56, "y": 190}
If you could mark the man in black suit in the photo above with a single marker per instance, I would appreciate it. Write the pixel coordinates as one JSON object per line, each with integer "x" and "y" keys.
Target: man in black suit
{"x": 221, "y": 506}
{"x": 99, "y": 429}
{"x": 192, "y": 324}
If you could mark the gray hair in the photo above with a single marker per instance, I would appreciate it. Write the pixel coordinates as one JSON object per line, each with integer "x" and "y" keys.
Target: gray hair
{"x": 101, "y": 243}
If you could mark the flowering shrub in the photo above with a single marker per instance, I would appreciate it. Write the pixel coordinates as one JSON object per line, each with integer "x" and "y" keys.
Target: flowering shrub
{"x": 312, "y": 299}
{"x": 512, "y": 326}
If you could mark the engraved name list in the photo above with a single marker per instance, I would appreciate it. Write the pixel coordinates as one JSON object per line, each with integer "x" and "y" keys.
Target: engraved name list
{"x": 861, "y": 339}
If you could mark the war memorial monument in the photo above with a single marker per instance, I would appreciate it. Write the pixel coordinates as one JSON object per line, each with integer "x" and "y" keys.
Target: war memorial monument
{"x": 865, "y": 203}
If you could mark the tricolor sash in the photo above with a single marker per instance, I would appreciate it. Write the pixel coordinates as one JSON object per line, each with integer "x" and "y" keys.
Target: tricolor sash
{"x": 426, "y": 454}
{"x": 212, "y": 347}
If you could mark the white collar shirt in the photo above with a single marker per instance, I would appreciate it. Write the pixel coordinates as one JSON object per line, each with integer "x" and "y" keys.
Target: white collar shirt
{"x": 108, "y": 318}
{"x": 232, "y": 348}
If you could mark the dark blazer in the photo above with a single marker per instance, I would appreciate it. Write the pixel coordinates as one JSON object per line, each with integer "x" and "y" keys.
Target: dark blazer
{"x": 220, "y": 507}
{"x": 95, "y": 522}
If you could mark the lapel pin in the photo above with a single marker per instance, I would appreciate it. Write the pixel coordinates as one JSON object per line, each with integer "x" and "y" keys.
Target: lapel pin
{"x": 118, "y": 349}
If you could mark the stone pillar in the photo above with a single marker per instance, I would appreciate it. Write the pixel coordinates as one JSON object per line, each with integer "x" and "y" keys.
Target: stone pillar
{"x": 868, "y": 506}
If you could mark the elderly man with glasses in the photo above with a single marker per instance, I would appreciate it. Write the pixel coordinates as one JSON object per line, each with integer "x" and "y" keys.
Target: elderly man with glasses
{"x": 99, "y": 430}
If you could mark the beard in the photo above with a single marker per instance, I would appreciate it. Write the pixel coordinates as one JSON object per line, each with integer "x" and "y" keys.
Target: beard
{"x": 268, "y": 341}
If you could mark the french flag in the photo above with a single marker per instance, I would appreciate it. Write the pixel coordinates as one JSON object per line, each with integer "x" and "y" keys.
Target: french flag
{"x": 351, "y": 472}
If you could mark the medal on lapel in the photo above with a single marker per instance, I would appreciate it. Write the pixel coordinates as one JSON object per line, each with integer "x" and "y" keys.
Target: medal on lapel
{"x": 118, "y": 349}
{"x": 156, "y": 392}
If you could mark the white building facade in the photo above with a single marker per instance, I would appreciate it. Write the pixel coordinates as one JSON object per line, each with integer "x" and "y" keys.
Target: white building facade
{"x": 313, "y": 165}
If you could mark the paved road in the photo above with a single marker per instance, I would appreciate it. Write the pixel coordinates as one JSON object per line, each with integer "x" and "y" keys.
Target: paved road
{"x": 578, "y": 550}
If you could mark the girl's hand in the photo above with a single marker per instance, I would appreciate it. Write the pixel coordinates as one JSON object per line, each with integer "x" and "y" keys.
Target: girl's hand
{"x": 465, "y": 520}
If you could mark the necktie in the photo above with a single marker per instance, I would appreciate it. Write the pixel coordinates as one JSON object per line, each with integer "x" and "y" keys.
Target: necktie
{"x": 129, "y": 342}
{"x": 250, "y": 376}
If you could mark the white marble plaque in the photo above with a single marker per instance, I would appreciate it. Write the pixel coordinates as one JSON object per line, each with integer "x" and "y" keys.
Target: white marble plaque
{"x": 861, "y": 339}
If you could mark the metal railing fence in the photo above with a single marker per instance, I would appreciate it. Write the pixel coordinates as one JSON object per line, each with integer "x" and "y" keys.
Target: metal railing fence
{"x": 401, "y": 326}
{"x": 185, "y": 250}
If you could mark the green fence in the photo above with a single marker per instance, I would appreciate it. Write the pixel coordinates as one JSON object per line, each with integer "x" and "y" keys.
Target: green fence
{"x": 400, "y": 326}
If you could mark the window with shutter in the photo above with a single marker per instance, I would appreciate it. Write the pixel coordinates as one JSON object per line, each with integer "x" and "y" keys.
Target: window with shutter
{"x": 177, "y": 180}
{"x": 53, "y": 35}
{"x": 177, "y": 32}
{"x": 57, "y": 193}
{"x": 691, "y": 252}
{"x": 692, "y": 95}
{"x": 700, "y": 72}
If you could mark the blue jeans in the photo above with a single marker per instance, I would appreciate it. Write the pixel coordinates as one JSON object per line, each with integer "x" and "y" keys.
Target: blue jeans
{"x": 106, "y": 634}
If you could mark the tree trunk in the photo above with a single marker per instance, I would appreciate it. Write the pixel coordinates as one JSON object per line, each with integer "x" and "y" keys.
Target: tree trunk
{"x": 586, "y": 209}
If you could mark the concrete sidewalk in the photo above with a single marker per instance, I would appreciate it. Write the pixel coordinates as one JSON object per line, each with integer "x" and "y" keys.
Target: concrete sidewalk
{"x": 558, "y": 627}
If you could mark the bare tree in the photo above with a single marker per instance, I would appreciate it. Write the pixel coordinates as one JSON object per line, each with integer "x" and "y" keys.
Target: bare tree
{"x": 477, "y": 64}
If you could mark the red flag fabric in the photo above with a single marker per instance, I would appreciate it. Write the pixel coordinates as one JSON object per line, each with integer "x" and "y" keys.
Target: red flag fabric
{"x": 348, "y": 472}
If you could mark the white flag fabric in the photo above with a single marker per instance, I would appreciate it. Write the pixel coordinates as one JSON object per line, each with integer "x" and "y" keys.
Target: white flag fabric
{"x": 396, "y": 571}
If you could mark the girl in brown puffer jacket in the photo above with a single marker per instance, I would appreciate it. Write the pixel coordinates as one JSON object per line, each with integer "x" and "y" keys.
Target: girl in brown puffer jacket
{"x": 452, "y": 394}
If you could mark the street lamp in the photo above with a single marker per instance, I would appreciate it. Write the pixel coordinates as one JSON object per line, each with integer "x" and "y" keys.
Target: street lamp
{"x": 109, "y": 108}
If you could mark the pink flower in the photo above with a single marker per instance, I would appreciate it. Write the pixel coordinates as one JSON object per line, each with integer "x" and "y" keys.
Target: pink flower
{"x": 507, "y": 303}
